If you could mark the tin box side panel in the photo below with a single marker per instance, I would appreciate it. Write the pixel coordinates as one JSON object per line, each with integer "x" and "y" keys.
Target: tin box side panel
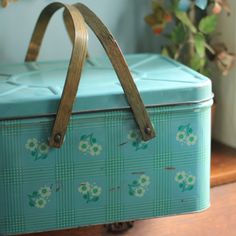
{"x": 104, "y": 172}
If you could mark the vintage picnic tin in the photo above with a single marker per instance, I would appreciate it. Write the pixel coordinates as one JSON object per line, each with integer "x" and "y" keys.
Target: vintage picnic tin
{"x": 104, "y": 172}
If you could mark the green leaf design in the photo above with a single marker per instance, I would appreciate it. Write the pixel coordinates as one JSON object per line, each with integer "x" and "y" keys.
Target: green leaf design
{"x": 190, "y": 130}
{"x": 145, "y": 146}
{"x": 183, "y": 17}
{"x": 83, "y": 137}
{"x": 31, "y": 203}
{"x": 135, "y": 143}
{"x": 35, "y": 194}
{"x": 131, "y": 192}
{"x": 178, "y": 34}
{"x": 181, "y": 185}
{"x": 190, "y": 187}
{"x": 94, "y": 140}
{"x": 199, "y": 41}
{"x": 208, "y": 24}
{"x": 95, "y": 199}
{"x": 43, "y": 156}
{"x": 181, "y": 128}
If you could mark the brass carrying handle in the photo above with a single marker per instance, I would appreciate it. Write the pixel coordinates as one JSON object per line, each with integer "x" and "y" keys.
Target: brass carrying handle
{"x": 120, "y": 66}
{"x": 80, "y": 38}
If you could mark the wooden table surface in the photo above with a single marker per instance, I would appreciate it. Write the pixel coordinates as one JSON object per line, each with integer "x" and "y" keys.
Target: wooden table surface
{"x": 223, "y": 164}
{"x": 220, "y": 219}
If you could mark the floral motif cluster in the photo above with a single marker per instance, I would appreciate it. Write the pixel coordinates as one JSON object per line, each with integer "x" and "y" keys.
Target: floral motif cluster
{"x": 88, "y": 145}
{"x": 39, "y": 150}
{"x": 139, "y": 186}
{"x": 185, "y": 135}
{"x": 40, "y": 198}
{"x": 135, "y": 137}
{"x": 186, "y": 181}
{"x": 90, "y": 192}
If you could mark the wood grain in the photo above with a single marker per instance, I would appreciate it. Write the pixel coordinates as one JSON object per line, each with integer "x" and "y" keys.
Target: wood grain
{"x": 121, "y": 68}
{"x": 218, "y": 220}
{"x": 78, "y": 56}
{"x": 223, "y": 165}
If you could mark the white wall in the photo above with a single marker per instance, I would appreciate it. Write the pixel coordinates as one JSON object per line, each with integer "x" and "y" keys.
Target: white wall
{"x": 225, "y": 87}
{"x": 124, "y": 18}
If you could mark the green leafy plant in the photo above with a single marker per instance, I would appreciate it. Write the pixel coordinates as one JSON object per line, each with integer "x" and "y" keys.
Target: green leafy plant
{"x": 188, "y": 28}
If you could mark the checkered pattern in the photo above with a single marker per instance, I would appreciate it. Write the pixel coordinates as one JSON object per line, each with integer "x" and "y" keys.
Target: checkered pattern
{"x": 113, "y": 170}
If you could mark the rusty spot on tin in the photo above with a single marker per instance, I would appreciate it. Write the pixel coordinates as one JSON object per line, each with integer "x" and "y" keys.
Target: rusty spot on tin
{"x": 58, "y": 186}
{"x": 170, "y": 168}
{"x": 138, "y": 173}
{"x": 114, "y": 189}
{"x": 123, "y": 143}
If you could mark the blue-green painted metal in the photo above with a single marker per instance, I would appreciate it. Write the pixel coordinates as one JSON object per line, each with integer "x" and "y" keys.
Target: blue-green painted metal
{"x": 34, "y": 89}
{"x": 103, "y": 173}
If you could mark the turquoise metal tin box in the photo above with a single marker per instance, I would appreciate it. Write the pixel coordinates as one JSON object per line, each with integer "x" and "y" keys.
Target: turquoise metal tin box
{"x": 104, "y": 172}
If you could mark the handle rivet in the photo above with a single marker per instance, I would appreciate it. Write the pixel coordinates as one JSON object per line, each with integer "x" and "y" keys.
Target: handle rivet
{"x": 148, "y": 130}
{"x": 57, "y": 138}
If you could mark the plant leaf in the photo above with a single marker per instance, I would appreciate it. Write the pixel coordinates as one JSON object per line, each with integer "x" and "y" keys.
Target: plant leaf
{"x": 165, "y": 52}
{"x": 183, "y": 17}
{"x": 199, "y": 41}
{"x": 178, "y": 34}
{"x": 151, "y": 20}
{"x": 197, "y": 63}
{"x": 208, "y": 24}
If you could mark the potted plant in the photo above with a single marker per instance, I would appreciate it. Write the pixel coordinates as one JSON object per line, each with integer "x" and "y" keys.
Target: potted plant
{"x": 189, "y": 31}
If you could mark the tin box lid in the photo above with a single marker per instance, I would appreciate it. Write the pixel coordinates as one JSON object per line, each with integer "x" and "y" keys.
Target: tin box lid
{"x": 34, "y": 89}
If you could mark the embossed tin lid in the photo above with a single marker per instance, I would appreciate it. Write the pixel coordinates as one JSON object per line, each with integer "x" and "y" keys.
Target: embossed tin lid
{"x": 34, "y": 89}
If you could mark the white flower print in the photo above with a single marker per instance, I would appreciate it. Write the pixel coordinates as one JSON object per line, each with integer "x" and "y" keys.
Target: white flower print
{"x": 95, "y": 149}
{"x": 88, "y": 145}
{"x": 45, "y": 192}
{"x": 43, "y": 148}
{"x": 139, "y": 191}
{"x": 139, "y": 186}
{"x": 38, "y": 150}
{"x": 180, "y": 177}
{"x": 190, "y": 180}
{"x": 133, "y": 135}
{"x": 40, "y": 203}
{"x": 84, "y": 188}
{"x": 31, "y": 144}
{"x": 41, "y": 197}
{"x": 185, "y": 135}
{"x": 135, "y": 138}
{"x": 185, "y": 181}
{"x": 84, "y": 146}
{"x": 191, "y": 139}
{"x": 90, "y": 192}
{"x": 144, "y": 180}
{"x": 181, "y": 136}
{"x": 96, "y": 191}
